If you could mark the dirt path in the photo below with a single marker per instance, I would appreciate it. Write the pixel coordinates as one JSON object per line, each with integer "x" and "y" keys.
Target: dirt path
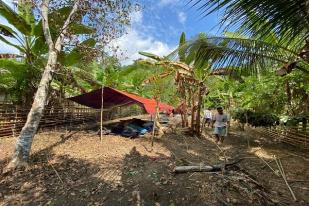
{"x": 77, "y": 169}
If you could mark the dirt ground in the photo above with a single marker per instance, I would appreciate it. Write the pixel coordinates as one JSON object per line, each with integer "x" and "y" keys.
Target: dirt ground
{"x": 75, "y": 168}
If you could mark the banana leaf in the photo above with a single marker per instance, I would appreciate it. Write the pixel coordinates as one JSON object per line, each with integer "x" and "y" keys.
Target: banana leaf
{"x": 14, "y": 19}
{"x": 7, "y": 31}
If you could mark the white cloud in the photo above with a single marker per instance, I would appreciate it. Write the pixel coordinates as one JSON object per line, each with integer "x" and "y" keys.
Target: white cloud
{"x": 136, "y": 17}
{"x": 138, "y": 38}
{"x": 182, "y": 17}
{"x": 133, "y": 42}
{"x": 167, "y": 2}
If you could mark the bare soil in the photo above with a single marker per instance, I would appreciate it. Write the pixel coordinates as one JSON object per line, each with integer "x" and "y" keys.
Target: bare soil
{"x": 75, "y": 168}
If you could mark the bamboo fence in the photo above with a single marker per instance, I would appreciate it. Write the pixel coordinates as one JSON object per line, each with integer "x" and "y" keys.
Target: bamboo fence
{"x": 13, "y": 118}
{"x": 67, "y": 113}
{"x": 297, "y": 136}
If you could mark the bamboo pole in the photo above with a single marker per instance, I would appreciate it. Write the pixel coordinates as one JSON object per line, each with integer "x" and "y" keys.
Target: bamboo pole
{"x": 282, "y": 172}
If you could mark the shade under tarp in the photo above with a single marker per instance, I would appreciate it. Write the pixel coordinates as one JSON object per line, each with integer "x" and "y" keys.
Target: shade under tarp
{"x": 113, "y": 97}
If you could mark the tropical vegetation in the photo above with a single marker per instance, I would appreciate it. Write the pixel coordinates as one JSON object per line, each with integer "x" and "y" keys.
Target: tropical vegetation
{"x": 262, "y": 67}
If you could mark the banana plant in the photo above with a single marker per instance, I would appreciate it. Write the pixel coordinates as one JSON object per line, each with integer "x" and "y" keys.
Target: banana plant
{"x": 189, "y": 85}
{"x": 26, "y": 35}
{"x": 23, "y": 35}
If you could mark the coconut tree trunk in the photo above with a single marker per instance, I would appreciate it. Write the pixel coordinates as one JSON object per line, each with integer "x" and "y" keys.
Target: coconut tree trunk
{"x": 24, "y": 141}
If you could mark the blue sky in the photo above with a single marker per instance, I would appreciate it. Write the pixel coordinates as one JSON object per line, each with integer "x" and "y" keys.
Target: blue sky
{"x": 156, "y": 28}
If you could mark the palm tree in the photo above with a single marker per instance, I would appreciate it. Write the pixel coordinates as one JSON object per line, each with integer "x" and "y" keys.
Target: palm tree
{"x": 277, "y": 37}
{"x": 289, "y": 19}
{"x": 248, "y": 55}
{"x": 189, "y": 76}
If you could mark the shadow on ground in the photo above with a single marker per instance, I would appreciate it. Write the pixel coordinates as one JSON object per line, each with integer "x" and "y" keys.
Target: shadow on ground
{"x": 136, "y": 178}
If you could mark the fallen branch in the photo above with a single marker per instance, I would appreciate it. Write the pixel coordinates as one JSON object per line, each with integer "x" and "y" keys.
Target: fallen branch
{"x": 282, "y": 172}
{"x": 47, "y": 158}
{"x": 204, "y": 168}
{"x": 224, "y": 156}
{"x": 294, "y": 181}
{"x": 267, "y": 164}
{"x": 57, "y": 174}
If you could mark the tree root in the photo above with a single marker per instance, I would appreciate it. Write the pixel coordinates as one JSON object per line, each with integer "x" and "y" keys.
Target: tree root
{"x": 15, "y": 163}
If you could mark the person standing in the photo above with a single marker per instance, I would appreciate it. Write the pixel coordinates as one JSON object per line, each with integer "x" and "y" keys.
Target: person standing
{"x": 207, "y": 117}
{"x": 220, "y": 123}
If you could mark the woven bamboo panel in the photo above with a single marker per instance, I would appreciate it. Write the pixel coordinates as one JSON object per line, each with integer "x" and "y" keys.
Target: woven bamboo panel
{"x": 13, "y": 118}
{"x": 296, "y": 136}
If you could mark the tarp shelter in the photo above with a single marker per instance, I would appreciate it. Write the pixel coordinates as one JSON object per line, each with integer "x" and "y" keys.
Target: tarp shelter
{"x": 113, "y": 98}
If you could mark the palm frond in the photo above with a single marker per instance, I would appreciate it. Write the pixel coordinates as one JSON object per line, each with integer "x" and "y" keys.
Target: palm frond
{"x": 247, "y": 54}
{"x": 287, "y": 18}
{"x": 181, "y": 53}
{"x": 151, "y": 56}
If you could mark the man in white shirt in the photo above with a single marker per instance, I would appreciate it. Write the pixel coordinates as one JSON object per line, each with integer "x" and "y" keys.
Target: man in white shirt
{"x": 221, "y": 122}
{"x": 207, "y": 117}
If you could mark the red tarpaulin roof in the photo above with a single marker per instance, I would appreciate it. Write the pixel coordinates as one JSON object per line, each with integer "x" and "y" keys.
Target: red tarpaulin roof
{"x": 113, "y": 97}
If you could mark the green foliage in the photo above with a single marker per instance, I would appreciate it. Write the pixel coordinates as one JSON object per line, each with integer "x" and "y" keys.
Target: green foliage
{"x": 127, "y": 78}
{"x": 13, "y": 18}
{"x": 181, "y": 52}
{"x": 247, "y": 54}
{"x": 294, "y": 121}
{"x": 152, "y": 56}
{"x": 133, "y": 82}
{"x": 14, "y": 79}
{"x": 7, "y": 31}
{"x": 256, "y": 119}
{"x": 31, "y": 44}
{"x": 269, "y": 36}
{"x": 264, "y": 93}
{"x": 261, "y": 17}
{"x": 25, "y": 73}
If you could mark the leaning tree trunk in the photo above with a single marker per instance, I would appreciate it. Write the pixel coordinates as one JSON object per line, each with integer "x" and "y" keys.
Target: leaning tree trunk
{"x": 24, "y": 142}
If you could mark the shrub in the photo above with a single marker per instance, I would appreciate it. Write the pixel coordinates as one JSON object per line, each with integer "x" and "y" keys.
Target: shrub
{"x": 256, "y": 119}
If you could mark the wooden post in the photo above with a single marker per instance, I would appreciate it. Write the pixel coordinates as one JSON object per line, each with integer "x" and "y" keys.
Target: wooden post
{"x": 15, "y": 120}
{"x": 101, "y": 122}
{"x": 154, "y": 121}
